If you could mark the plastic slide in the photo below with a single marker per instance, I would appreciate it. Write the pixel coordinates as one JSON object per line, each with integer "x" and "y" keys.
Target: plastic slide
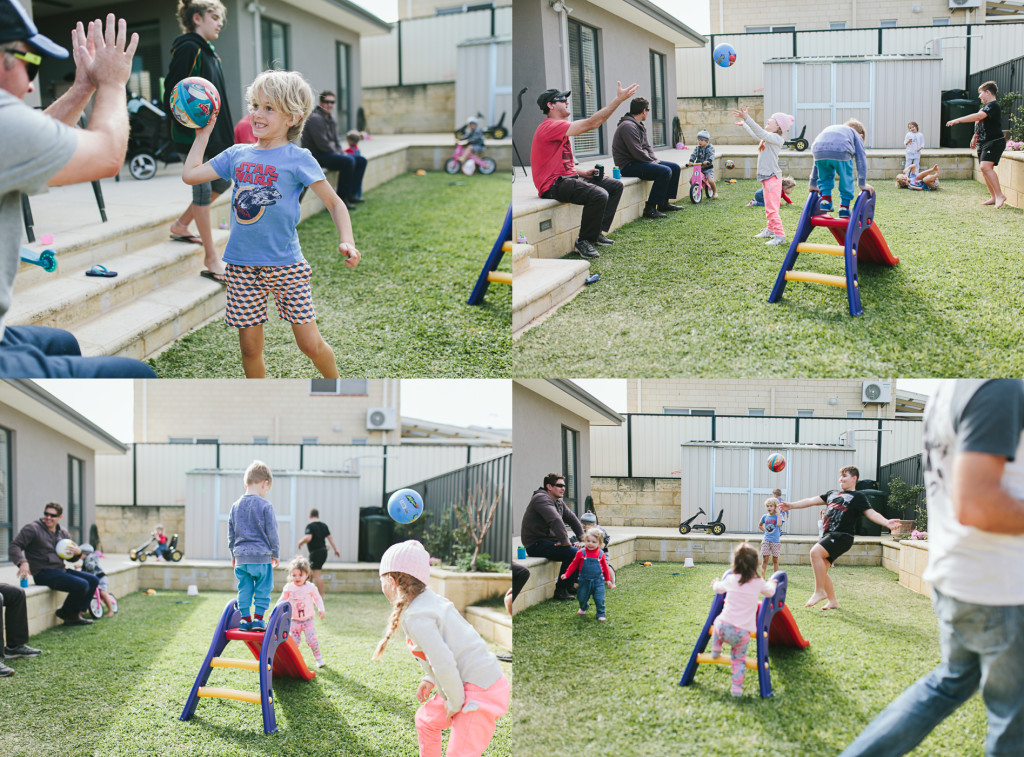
{"x": 288, "y": 660}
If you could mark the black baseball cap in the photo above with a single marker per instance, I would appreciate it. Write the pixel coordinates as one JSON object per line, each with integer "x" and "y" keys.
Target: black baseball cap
{"x": 548, "y": 95}
{"x": 16, "y": 25}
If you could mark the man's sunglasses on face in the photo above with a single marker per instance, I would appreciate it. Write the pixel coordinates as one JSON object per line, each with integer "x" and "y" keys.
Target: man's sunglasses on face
{"x": 50, "y": 515}
{"x": 560, "y": 100}
{"x": 560, "y": 486}
{"x": 327, "y": 102}
{"x": 32, "y": 62}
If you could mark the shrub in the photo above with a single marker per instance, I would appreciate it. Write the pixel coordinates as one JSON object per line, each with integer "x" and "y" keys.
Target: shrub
{"x": 483, "y": 564}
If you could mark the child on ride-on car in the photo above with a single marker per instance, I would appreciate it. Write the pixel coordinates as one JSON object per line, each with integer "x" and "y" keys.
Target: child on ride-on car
{"x": 704, "y": 153}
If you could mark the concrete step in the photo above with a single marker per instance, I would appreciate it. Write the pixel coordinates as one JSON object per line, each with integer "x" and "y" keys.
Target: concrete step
{"x": 491, "y": 623}
{"x": 521, "y": 254}
{"x": 543, "y": 288}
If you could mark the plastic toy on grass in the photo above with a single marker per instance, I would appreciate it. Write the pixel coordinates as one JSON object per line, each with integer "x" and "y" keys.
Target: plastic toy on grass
{"x": 799, "y": 142}
{"x": 776, "y": 463}
{"x": 724, "y": 55}
{"x": 717, "y": 527}
{"x": 405, "y": 506}
{"x": 193, "y": 101}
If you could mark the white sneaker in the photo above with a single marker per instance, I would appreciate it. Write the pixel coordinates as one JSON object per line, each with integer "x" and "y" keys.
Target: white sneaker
{"x": 776, "y": 239}
{"x": 765, "y": 234}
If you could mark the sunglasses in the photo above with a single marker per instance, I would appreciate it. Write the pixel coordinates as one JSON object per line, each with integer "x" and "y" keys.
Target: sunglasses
{"x": 327, "y": 102}
{"x": 51, "y": 515}
{"x": 560, "y": 100}
{"x": 560, "y": 486}
{"x": 32, "y": 62}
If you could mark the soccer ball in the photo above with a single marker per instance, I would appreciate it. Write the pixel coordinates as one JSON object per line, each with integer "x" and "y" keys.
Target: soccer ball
{"x": 63, "y": 549}
{"x": 193, "y": 101}
{"x": 724, "y": 55}
{"x": 405, "y": 506}
{"x": 729, "y": 164}
{"x": 776, "y": 462}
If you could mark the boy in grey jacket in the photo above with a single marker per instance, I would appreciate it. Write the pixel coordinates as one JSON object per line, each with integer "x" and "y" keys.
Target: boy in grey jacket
{"x": 835, "y": 150}
{"x": 254, "y": 545}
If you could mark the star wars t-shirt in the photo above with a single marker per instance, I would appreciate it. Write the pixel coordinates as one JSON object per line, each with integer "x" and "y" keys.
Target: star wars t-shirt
{"x": 772, "y": 527}
{"x": 844, "y": 508}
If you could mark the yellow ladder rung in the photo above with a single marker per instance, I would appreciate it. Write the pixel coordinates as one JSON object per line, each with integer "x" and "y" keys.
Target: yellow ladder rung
{"x": 724, "y": 659}
{"x": 229, "y": 662}
{"x": 817, "y": 278}
{"x": 241, "y": 696}
{"x": 501, "y": 277}
{"x": 506, "y": 246}
{"x": 826, "y": 249}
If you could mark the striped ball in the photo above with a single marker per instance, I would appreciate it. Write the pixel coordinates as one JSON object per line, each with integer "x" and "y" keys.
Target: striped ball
{"x": 776, "y": 462}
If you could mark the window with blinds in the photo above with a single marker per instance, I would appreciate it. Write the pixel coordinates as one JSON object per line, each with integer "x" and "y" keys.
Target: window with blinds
{"x": 584, "y": 78}
{"x": 656, "y": 120}
{"x": 570, "y": 466}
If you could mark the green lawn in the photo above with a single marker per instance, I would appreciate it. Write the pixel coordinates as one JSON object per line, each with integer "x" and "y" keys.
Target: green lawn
{"x": 118, "y": 688}
{"x": 687, "y": 296}
{"x": 402, "y": 311}
{"x": 584, "y": 687}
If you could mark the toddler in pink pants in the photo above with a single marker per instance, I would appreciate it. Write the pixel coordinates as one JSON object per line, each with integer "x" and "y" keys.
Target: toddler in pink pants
{"x": 302, "y": 593}
{"x": 768, "y": 171}
{"x": 472, "y": 692}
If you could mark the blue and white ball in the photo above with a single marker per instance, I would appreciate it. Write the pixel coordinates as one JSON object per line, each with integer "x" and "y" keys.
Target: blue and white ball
{"x": 405, "y": 506}
{"x": 724, "y": 55}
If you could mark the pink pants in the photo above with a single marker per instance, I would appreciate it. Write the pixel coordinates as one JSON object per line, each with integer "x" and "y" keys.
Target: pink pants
{"x": 471, "y": 730}
{"x": 772, "y": 201}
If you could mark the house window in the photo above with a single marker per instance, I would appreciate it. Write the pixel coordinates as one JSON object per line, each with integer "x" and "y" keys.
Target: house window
{"x": 193, "y": 440}
{"x": 75, "y": 491}
{"x": 656, "y": 118}
{"x": 854, "y": 414}
{"x": 763, "y": 29}
{"x": 804, "y": 413}
{"x": 310, "y": 440}
{"x": 261, "y": 440}
{"x": 275, "y": 44}
{"x": 6, "y": 507}
{"x": 360, "y": 442}
{"x": 686, "y": 411}
{"x": 345, "y": 387}
{"x": 888, "y": 23}
{"x": 940, "y": 21}
{"x": 344, "y": 105}
{"x": 837, "y": 25}
{"x": 755, "y": 412}
{"x": 147, "y": 63}
{"x": 570, "y": 466}
{"x": 584, "y": 76}
{"x": 207, "y": 440}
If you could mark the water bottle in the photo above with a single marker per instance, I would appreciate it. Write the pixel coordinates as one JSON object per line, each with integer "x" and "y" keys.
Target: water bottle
{"x": 24, "y": 582}
{"x": 521, "y": 553}
{"x": 616, "y": 173}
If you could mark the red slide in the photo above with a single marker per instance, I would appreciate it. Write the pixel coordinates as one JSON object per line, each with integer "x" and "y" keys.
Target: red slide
{"x": 872, "y": 248}
{"x": 784, "y": 630}
{"x": 287, "y": 660}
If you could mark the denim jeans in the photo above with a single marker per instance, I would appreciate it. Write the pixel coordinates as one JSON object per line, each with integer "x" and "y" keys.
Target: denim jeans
{"x": 591, "y": 584}
{"x": 79, "y": 585}
{"x": 981, "y": 645}
{"x": 665, "y": 176}
{"x": 44, "y": 352}
{"x": 350, "y": 168}
{"x": 556, "y": 553}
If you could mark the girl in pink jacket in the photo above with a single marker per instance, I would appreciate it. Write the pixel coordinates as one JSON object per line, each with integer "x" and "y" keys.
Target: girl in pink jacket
{"x": 305, "y": 599}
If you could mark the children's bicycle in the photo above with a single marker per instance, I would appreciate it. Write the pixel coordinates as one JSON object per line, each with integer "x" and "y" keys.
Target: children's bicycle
{"x": 475, "y": 161}
{"x": 700, "y": 184}
{"x": 96, "y": 604}
{"x": 717, "y": 527}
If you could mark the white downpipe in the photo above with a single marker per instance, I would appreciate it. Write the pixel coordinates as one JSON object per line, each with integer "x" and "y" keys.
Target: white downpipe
{"x": 257, "y": 38}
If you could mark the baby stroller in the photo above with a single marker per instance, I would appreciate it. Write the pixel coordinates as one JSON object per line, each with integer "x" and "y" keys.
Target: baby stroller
{"x": 173, "y": 553}
{"x": 149, "y": 138}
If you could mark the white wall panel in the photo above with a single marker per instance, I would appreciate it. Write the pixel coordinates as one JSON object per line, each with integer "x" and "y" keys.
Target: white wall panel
{"x": 114, "y": 479}
{"x": 378, "y": 57}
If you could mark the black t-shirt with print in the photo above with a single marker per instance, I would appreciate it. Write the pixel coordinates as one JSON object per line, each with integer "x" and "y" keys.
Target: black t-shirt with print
{"x": 844, "y": 508}
{"x": 990, "y": 127}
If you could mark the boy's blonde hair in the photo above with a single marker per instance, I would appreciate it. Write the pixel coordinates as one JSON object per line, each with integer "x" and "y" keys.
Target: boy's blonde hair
{"x": 257, "y": 472}
{"x": 189, "y": 8}
{"x": 286, "y": 91}
{"x": 778, "y": 492}
{"x": 771, "y": 501}
{"x": 301, "y": 563}
{"x": 858, "y": 127}
{"x": 408, "y": 589}
{"x": 902, "y": 182}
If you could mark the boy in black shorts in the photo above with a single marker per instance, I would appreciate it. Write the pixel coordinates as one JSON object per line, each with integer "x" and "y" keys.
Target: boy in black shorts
{"x": 843, "y": 506}
{"x": 316, "y": 534}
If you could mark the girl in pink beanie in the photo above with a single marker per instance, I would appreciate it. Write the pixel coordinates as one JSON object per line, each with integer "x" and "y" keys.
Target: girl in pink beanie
{"x": 768, "y": 171}
{"x": 472, "y": 692}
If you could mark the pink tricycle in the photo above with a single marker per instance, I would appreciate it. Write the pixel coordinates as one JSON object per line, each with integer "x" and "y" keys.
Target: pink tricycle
{"x": 699, "y": 183}
{"x": 473, "y": 162}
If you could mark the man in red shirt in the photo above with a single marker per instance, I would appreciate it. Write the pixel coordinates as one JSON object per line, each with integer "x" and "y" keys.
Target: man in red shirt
{"x": 554, "y": 168}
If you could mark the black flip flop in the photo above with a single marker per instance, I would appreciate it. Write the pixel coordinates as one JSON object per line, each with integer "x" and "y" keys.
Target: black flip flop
{"x": 101, "y": 271}
{"x": 220, "y": 278}
{"x": 189, "y": 239}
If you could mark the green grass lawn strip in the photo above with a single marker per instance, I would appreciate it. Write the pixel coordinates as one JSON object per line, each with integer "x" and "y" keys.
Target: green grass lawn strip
{"x": 688, "y": 296}
{"x": 617, "y": 682}
{"x": 402, "y": 311}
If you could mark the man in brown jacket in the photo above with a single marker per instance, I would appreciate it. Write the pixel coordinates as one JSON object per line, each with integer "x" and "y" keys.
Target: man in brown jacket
{"x": 634, "y": 155}
{"x": 320, "y": 137}
{"x": 543, "y": 531}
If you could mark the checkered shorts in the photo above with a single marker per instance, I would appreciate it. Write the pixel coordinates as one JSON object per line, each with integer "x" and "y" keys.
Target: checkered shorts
{"x": 771, "y": 549}
{"x": 248, "y": 286}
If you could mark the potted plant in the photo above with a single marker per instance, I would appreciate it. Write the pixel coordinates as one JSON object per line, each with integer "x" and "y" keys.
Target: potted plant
{"x": 904, "y": 504}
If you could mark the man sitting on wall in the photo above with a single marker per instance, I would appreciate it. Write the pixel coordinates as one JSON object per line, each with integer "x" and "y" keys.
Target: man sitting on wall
{"x": 633, "y": 153}
{"x": 320, "y": 137}
{"x": 543, "y": 532}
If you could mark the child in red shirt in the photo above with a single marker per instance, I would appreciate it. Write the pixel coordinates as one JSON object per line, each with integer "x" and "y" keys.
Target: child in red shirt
{"x": 594, "y": 573}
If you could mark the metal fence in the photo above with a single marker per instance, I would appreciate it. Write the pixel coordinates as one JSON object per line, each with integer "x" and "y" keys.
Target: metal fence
{"x": 1009, "y": 77}
{"x": 909, "y": 470}
{"x": 963, "y": 48}
{"x": 648, "y": 445}
{"x": 423, "y": 50}
{"x": 154, "y": 474}
{"x": 486, "y": 479}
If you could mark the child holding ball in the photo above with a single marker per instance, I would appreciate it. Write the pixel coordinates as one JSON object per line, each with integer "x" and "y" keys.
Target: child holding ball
{"x": 263, "y": 253}
{"x": 302, "y": 593}
{"x": 743, "y": 589}
{"x": 768, "y": 171}
{"x": 472, "y": 691}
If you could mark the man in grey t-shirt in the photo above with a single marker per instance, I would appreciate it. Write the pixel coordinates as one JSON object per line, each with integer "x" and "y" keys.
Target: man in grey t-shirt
{"x": 42, "y": 148}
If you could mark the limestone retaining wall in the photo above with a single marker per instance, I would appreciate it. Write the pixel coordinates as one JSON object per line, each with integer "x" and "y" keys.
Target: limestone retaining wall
{"x": 636, "y": 501}
{"x": 715, "y": 115}
{"x": 123, "y": 528}
{"x": 411, "y": 109}
{"x": 1011, "y": 177}
{"x": 912, "y": 563}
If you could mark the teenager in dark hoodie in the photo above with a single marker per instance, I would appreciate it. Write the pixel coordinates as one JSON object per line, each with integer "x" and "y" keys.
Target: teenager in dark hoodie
{"x": 543, "y": 532}
{"x": 634, "y": 155}
{"x": 192, "y": 54}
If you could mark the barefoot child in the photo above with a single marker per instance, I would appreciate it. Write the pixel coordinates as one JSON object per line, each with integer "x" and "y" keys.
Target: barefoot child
{"x": 263, "y": 252}
{"x": 844, "y": 506}
{"x": 768, "y": 171}
{"x": 743, "y": 589}
{"x": 771, "y": 542}
{"x": 302, "y": 593}
{"x": 594, "y": 573}
{"x": 472, "y": 692}
{"x": 253, "y": 541}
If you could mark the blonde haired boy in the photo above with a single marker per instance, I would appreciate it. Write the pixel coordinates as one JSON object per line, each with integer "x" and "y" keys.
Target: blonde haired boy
{"x": 254, "y": 545}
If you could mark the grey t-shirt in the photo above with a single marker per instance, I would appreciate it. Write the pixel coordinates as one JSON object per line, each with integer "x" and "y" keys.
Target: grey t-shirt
{"x": 35, "y": 148}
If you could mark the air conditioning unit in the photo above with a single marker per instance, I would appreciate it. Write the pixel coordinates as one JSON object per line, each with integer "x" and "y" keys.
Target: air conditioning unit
{"x": 958, "y": 4}
{"x": 380, "y": 419}
{"x": 876, "y": 392}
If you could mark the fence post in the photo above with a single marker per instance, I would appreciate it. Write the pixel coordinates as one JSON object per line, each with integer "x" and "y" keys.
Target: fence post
{"x": 878, "y": 449}
{"x": 399, "y": 24}
{"x": 135, "y": 478}
{"x": 967, "y": 73}
{"x": 629, "y": 445}
{"x": 384, "y": 480}
{"x": 713, "y": 89}
{"x": 796, "y": 440}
